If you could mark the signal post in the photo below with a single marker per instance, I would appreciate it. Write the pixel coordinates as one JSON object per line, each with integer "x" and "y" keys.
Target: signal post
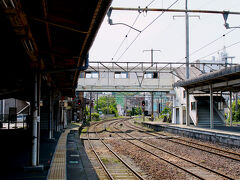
{"x": 143, "y": 108}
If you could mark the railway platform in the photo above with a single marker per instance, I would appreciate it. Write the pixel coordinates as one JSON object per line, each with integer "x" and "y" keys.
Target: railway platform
{"x": 70, "y": 160}
{"x": 224, "y": 135}
{"x": 62, "y": 158}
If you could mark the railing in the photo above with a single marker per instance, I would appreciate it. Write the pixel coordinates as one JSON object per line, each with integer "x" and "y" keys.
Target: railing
{"x": 12, "y": 123}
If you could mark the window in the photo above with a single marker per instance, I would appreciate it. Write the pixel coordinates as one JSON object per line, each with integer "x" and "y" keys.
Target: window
{"x": 151, "y": 75}
{"x": 95, "y": 75}
{"x": 121, "y": 75}
{"x": 184, "y": 94}
{"x": 89, "y": 75}
{"x": 220, "y": 106}
{"x": 193, "y": 105}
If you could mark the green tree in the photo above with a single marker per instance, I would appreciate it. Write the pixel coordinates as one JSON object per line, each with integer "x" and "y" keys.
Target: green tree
{"x": 107, "y": 104}
{"x": 136, "y": 111}
{"x": 235, "y": 114}
{"x": 166, "y": 114}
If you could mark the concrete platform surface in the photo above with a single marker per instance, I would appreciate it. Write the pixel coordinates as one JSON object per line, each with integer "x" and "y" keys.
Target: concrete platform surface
{"x": 222, "y": 134}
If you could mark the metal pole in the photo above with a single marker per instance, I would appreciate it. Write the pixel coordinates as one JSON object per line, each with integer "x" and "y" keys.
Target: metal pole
{"x": 38, "y": 116}
{"x": 211, "y": 108}
{"x": 187, "y": 108}
{"x": 3, "y": 109}
{"x": 34, "y": 125}
{"x": 230, "y": 108}
{"x": 187, "y": 40}
{"x": 151, "y": 54}
{"x": 16, "y": 114}
{"x": 152, "y": 57}
{"x": 236, "y": 102}
{"x": 62, "y": 118}
{"x": 152, "y": 116}
{"x": 144, "y": 109}
{"x": 97, "y": 102}
{"x": 187, "y": 64}
{"x": 158, "y": 108}
{"x": 50, "y": 115}
{"x": 161, "y": 107}
{"x": 90, "y": 106}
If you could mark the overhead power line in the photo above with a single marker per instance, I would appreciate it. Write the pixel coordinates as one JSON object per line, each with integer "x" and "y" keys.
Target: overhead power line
{"x": 212, "y": 42}
{"x": 231, "y": 45}
{"x": 145, "y": 28}
{"x": 208, "y": 44}
{"x": 126, "y": 36}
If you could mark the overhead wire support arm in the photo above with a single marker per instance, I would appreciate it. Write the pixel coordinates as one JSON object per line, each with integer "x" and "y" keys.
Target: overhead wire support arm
{"x": 111, "y": 22}
{"x": 125, "y": 25}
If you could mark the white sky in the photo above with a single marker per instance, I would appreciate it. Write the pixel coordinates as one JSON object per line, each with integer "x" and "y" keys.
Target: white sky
{"x": 166, "y": 34}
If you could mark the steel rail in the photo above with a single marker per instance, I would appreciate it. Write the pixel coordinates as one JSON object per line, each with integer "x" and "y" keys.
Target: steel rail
{"x": 215, "y": 153}
{"x": 128, "y": 166}
{"x": 189, "y": 172}
{"x": 189, "y": 161}
{"x": 186, "y": 159}
{"x": 99, "y": 159}
{"x": 114, "y": 153}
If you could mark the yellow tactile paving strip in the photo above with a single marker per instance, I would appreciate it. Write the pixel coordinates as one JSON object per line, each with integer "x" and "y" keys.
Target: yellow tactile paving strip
{"x": 58, "y": 165}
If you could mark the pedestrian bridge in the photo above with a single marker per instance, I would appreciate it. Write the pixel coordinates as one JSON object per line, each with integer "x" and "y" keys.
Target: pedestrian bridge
{"x": 129, "y": 77}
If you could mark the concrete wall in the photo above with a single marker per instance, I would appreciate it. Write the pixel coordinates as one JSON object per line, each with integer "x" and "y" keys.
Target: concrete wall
{"x": 180, "y": 102}
{"x": 215, "y": 137}
{"x": 134, "y": 81}
{"x": 19, "y": 104}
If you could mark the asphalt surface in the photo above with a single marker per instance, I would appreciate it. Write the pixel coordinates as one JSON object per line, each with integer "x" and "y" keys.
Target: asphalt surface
{"x": 78, "y": 164}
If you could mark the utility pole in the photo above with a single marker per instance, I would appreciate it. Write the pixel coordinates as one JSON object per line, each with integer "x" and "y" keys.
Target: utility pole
{"x": 144, "y": 108}
{"x": 187, "y": 64}
{"x": 187, "y": 40}
{"x": 151, "y": 50}
{"x": 187, "y": 60}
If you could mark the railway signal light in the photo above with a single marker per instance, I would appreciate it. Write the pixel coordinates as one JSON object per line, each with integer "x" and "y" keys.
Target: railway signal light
{"x": 143, "y": 103}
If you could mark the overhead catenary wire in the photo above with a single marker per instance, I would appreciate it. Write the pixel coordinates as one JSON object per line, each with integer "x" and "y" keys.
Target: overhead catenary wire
{"x": 126, "y": 36}
{"x": 231, "y": 45}
{"x": 145, "y": 29}
{"x": 208, "y": 44}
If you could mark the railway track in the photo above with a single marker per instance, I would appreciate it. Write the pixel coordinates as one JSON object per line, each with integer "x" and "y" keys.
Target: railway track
{"x": 198, "y": 146}
{"x": 113, "y": 165}
{"x": 194, "y": 169}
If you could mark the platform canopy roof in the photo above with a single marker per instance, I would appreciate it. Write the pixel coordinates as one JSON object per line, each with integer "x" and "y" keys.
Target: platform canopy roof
{"x": 227, "y": 79}
{"x": 52, "y": 36}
